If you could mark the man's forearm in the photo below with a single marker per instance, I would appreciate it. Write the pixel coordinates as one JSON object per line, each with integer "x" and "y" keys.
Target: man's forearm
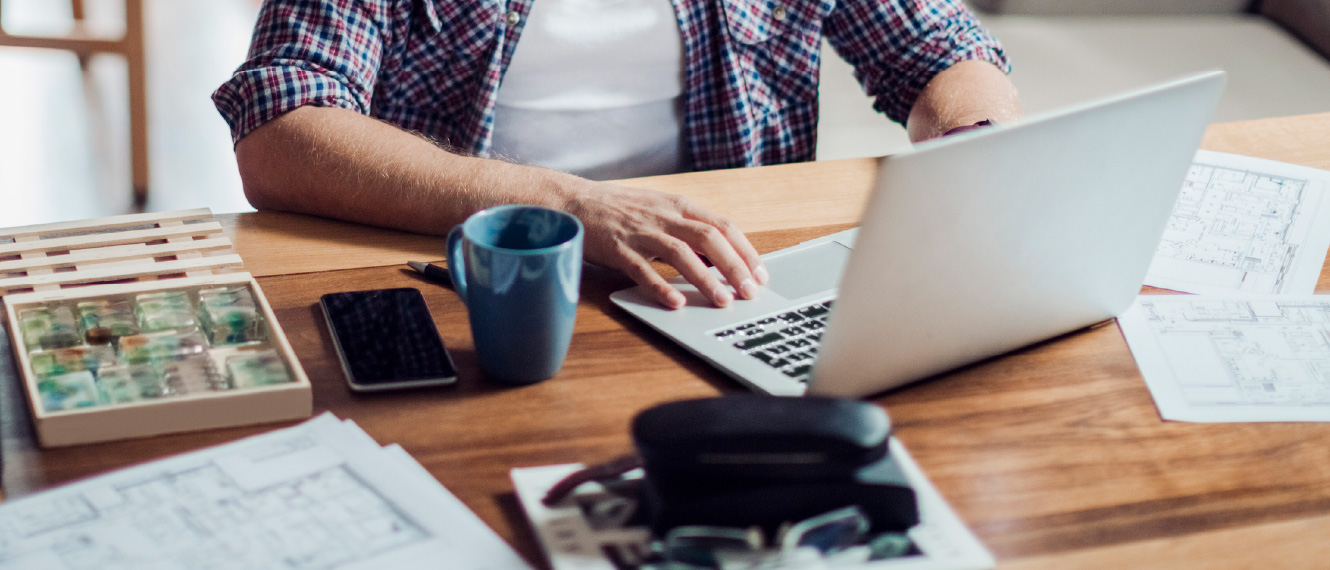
{"x": 340, "y": 164}
{"x": 964, "y": 94}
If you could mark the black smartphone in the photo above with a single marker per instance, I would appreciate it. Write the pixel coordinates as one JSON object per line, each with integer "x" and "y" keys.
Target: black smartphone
{"x": 386, "y": 339}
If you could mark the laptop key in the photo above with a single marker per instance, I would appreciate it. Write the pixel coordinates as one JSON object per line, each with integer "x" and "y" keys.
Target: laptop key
{"x": 798, "y": 371}
{"x": 813, "y": 311}
{"x": 791, "y": 317}
{"x": 722, "y": 335}
{"x": 772, "y": 360}
{"x": 758, "y": 341}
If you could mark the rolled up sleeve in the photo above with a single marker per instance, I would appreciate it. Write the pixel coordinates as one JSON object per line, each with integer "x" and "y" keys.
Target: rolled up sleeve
{"x": 322, "y": 53}
{"x": 898, "y": 46}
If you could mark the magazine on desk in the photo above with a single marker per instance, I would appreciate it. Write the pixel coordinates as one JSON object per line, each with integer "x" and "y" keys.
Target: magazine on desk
{"x": 571, "y": 543}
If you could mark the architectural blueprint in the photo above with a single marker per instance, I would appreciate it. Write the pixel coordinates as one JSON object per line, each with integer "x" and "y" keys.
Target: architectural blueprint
{"x": 319, "y": 495}
{"x": 572, "y": 542}
{"x": 1233, "y": 359}
{"x": 1245, "y": 225}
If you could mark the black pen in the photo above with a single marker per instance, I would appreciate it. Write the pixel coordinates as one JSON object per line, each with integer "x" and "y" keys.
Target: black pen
{"x": 432, "y": 272}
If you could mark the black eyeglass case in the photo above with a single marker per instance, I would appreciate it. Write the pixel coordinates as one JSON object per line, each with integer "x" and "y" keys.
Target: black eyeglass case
{"x": 760, "y": 438}
{"x": 879, "y": 489}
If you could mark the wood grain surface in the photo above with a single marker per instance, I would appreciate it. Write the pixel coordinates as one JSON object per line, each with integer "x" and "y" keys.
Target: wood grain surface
{"x": 1054, "y": 455}
{"x": 791, "y": 196}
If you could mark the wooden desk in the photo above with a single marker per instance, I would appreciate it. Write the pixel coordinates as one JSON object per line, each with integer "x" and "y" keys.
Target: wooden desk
{"x": 1054, "y": 454}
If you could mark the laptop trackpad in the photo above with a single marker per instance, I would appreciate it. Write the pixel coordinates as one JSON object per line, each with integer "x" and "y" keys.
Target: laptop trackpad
{"x": 808, "y": 271}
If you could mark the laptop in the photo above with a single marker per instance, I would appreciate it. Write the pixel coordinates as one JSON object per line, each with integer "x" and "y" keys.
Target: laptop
{"x": 970, "y": 246}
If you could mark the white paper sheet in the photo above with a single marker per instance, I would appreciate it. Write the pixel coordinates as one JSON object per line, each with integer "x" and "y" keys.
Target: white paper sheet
{"x": 1233, "y": 359}
{"x": 570, "y": 543}
{"x": 319, "y": 495}
{"x": 1245, "y": 225}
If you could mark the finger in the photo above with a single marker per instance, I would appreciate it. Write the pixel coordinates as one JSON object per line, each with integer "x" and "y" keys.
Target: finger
{"x": 640, "y": 271}
{"x": 711, "y": 241}
{"x": 738, "y": 241}
{"x": 680, "y": 255}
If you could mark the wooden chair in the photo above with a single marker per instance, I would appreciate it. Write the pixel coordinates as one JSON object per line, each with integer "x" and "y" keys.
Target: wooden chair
{"x": 130, "y": 46}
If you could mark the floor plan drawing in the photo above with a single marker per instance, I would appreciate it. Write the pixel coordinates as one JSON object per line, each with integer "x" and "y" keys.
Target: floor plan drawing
{"x": 1214, "y": 358}
{"x": 319, "y": 495}
{"x": 202, "y": 513}
{"x": 1244, "y": 224}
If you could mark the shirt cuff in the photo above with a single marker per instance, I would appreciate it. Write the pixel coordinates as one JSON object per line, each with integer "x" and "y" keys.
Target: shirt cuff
{"x": 255, "y": 96}
{"x": 931, "y": 56}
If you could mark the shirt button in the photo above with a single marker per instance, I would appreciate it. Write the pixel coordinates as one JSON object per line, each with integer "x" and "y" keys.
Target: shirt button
{"x": 513, "y": 18}
{"x": 778, "y": 13}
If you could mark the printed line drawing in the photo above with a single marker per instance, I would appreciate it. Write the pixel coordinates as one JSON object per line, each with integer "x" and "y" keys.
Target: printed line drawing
{"x": 1245, "y": 225}
{"x": 201, "y": 517}
{"x": 322, "y": 494}
{"x": 1233, "y": 359}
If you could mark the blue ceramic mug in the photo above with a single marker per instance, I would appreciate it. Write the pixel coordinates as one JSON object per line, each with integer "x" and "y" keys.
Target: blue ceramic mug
{"x": 518, "y": 269}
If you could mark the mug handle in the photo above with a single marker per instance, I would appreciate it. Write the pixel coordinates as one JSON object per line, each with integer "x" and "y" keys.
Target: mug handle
{"x": 455, "y": 263}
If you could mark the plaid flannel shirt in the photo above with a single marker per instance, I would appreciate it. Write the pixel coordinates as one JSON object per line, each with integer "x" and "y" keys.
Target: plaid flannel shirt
{"x": 750, "y": 66}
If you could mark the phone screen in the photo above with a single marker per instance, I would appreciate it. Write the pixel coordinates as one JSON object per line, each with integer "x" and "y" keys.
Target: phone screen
{"x": 386, "y": 338}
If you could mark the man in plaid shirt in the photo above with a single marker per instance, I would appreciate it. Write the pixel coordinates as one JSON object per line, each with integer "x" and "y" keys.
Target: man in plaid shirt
{"x": 384, "y": 112}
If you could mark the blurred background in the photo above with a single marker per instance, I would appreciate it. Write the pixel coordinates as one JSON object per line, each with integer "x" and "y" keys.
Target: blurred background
{"x": 65, "y": 148}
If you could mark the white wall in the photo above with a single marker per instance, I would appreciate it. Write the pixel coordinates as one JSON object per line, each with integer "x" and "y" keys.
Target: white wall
{"x": 1062, "y": 60}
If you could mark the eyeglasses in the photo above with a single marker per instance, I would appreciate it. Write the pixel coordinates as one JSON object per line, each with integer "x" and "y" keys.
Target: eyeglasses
{"x": 841, "y": 535}
{"x": 827, "y": 532}
{"x": 613, "y": 503}
{"x": 834, "y": 538}
{"x": 707, "y": 546}
{"x": 602, "y": 473}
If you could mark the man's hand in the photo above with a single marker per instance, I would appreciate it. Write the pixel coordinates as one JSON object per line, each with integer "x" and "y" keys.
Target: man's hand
{"x": 627, "y": 228}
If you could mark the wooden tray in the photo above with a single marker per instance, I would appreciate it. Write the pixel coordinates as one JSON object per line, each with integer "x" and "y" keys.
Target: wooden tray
{"x": 123, "y": 256}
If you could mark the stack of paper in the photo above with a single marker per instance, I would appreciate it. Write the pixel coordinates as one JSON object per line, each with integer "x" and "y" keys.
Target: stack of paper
{"x": 319, "y": 495}
{"x": 1250, "y": 237}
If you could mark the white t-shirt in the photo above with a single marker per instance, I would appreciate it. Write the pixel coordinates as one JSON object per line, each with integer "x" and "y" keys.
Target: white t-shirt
{"x": 595, "y": 88}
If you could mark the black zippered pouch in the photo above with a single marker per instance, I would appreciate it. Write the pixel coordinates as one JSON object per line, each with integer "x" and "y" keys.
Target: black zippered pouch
{"x": 750, "y": 438}
{"x": 879, "y": 489}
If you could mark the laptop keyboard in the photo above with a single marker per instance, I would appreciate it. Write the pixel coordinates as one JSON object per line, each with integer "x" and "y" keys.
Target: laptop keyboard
{"x": 787, "y": 342}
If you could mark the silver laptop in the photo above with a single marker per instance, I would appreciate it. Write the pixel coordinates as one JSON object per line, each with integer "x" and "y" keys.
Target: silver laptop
{"x": 969, "y": 247}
